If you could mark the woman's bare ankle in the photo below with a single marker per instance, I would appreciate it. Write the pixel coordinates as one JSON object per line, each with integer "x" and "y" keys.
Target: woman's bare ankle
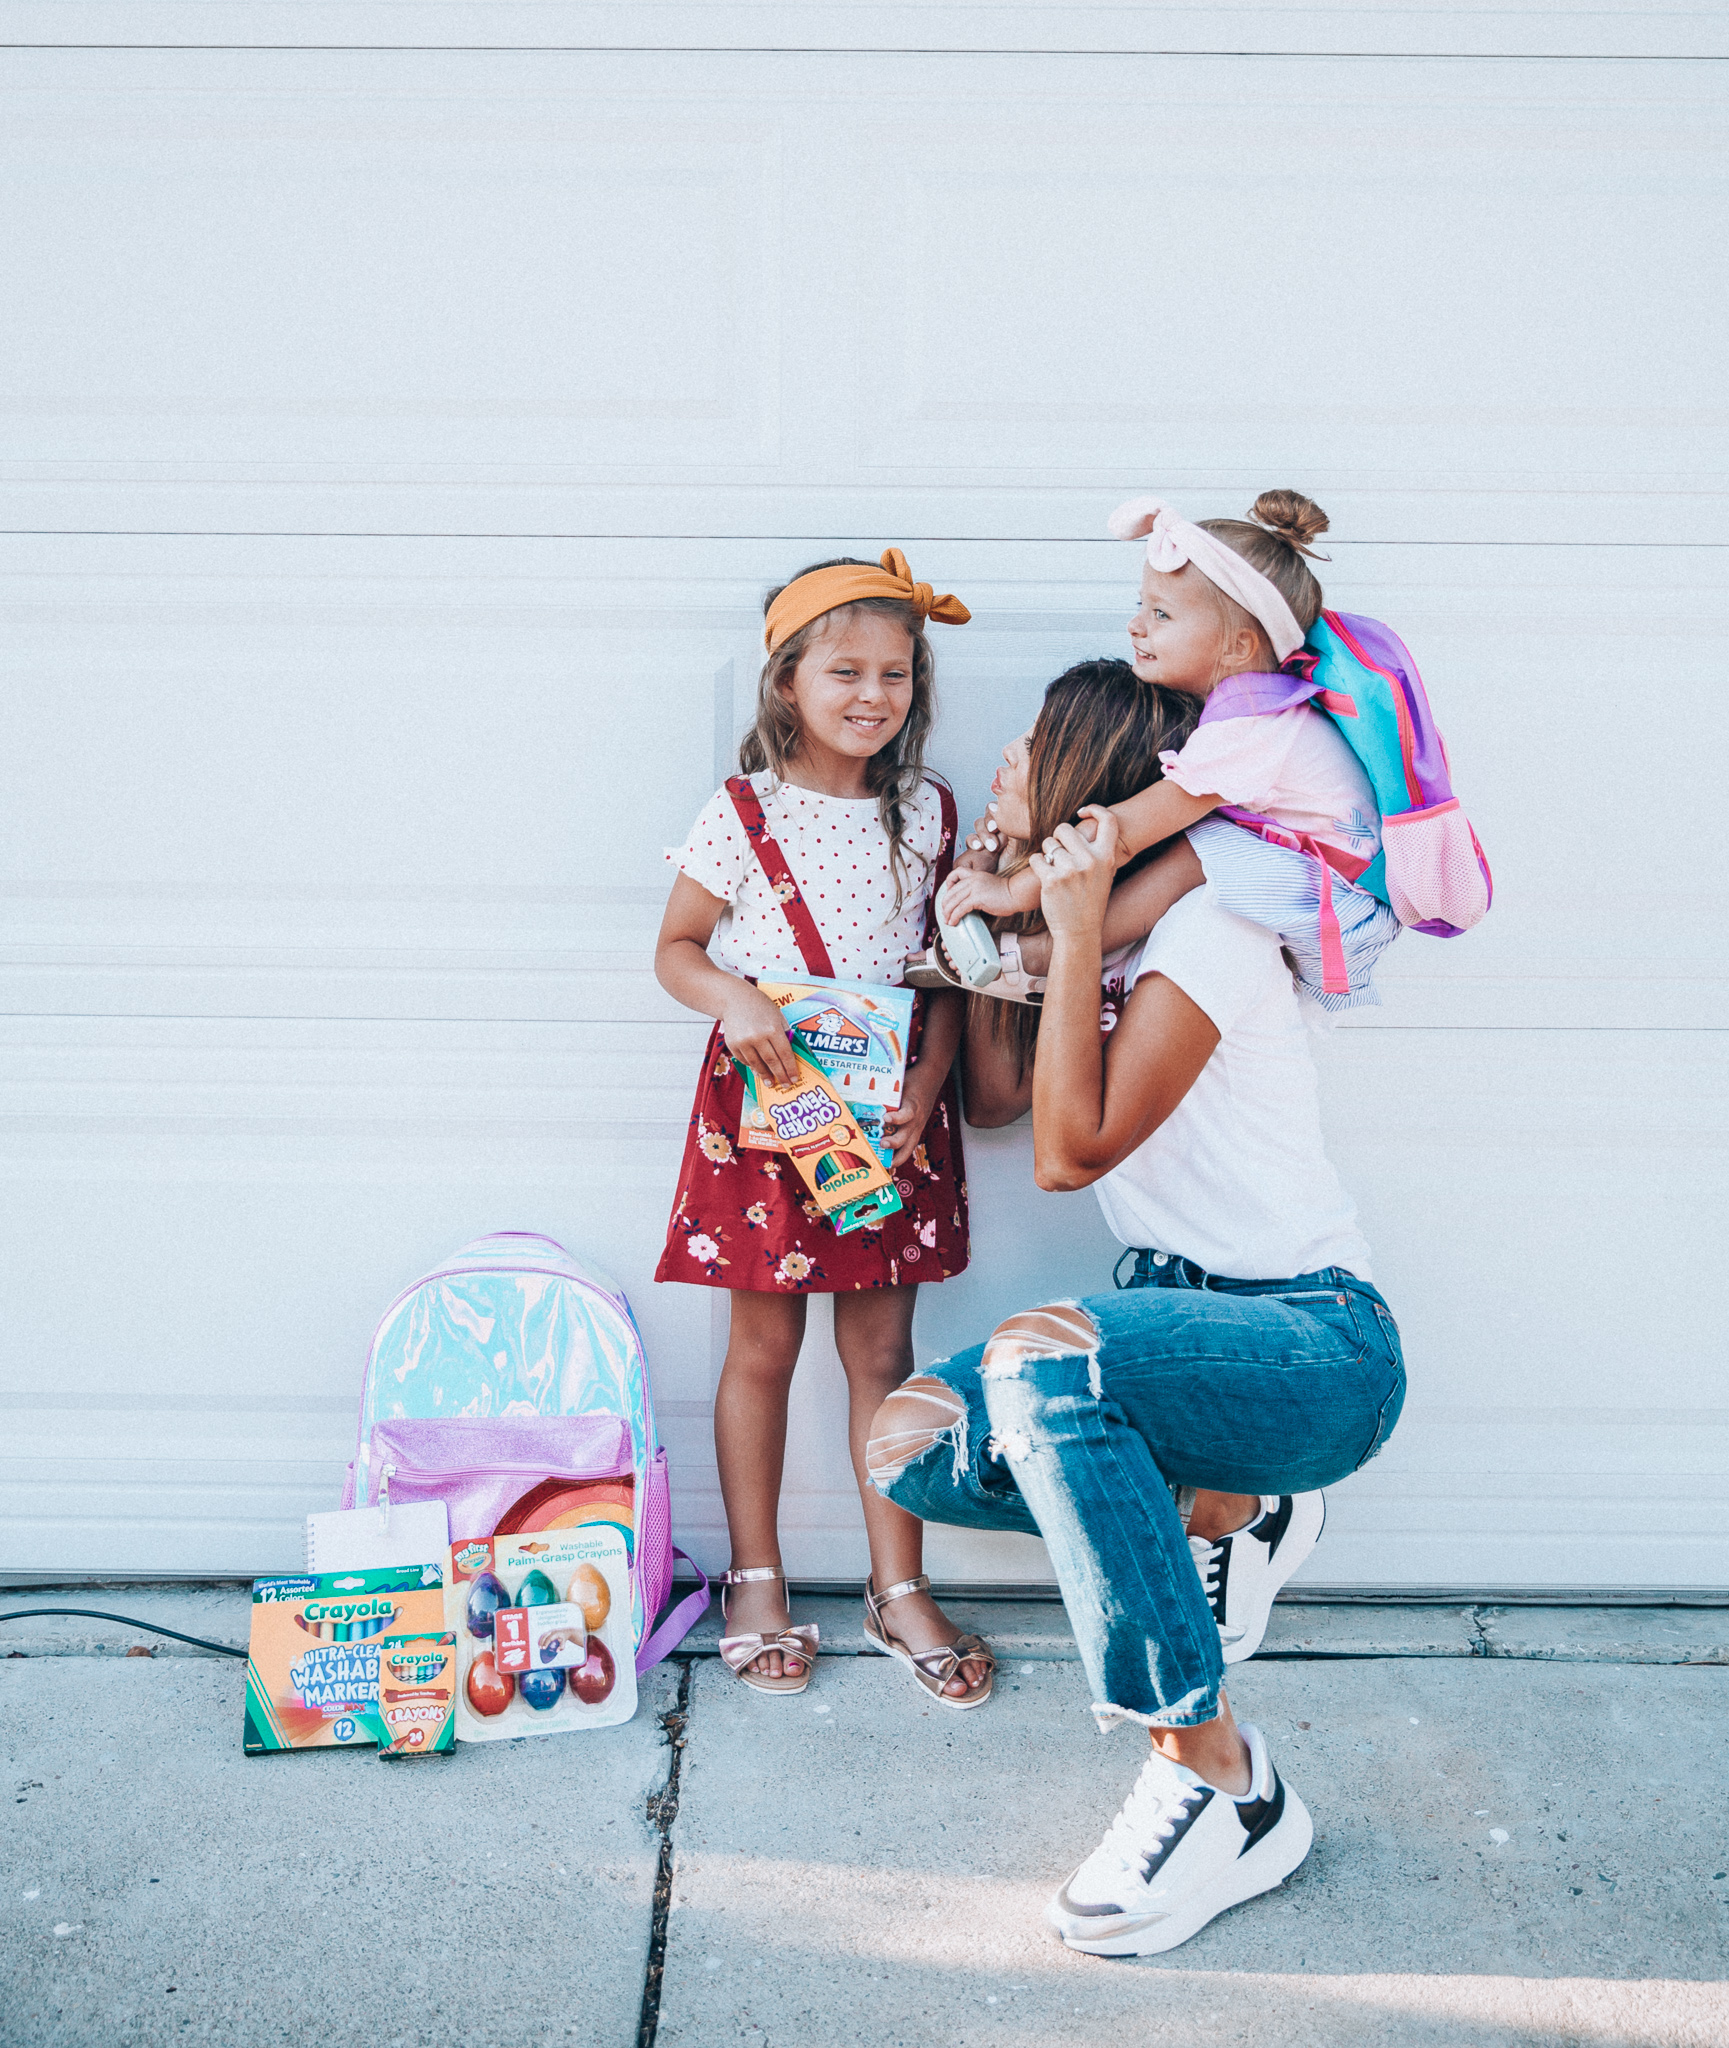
{"x": 1214, "y": 1750}
{"x": 1222, "y": 1514}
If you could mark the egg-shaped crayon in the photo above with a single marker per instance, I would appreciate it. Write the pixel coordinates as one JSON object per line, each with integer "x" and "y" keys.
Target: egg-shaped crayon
{"x": 592, "y": 1680}
{"x": 589, "y": 1591}
{"x": 490, "y": 1690}
{"x": 537, "y": 1590}
{"x": 485, "y": 1597}
{"x": 541, "y": 1689}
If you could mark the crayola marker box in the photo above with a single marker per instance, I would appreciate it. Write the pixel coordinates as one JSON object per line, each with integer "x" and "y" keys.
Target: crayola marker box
{"x": 312, "y": 1664}
{"x": 834, "y": 1158}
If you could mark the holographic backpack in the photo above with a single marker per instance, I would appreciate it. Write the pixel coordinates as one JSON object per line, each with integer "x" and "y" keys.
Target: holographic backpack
{"x": 509, "y": 1367}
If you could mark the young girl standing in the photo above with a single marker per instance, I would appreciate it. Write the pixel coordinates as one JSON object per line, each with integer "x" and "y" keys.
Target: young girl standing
{"x": 820, "y": 858}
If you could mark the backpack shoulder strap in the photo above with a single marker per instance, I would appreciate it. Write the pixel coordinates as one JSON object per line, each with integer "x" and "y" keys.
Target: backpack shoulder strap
{"x": 781, "y": 880}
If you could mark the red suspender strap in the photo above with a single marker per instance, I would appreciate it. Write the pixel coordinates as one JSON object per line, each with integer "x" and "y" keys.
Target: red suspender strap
{"x": 945, "y": 857}
{"x": 780, "y": 878}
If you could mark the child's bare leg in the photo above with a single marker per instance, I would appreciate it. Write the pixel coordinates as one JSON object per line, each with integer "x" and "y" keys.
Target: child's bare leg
{"x": 762, "y": 1350}
{"x": 874, "y": 1335}
{"x": 1135, "y": 906}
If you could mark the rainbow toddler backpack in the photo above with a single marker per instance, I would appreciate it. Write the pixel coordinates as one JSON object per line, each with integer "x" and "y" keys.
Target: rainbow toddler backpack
{"x": 1430, "y": 870}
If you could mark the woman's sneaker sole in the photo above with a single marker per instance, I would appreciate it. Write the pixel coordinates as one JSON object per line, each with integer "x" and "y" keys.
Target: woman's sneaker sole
{"x": 1261, "y": 1868}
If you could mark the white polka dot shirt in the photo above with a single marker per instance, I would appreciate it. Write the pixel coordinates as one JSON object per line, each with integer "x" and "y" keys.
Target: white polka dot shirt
{"x": 839, "y": 855}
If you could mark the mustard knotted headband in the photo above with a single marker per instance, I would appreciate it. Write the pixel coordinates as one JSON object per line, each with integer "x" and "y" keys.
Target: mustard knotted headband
{"x": 826, "y": 590}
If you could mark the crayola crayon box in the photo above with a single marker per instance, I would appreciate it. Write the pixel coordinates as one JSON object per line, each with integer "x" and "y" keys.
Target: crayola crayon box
{"x": 313, "y": 1661}
{"x": 756, "y": 1130}
{"x": 821, "y": 1134}
{"x": 417, "y": 1695}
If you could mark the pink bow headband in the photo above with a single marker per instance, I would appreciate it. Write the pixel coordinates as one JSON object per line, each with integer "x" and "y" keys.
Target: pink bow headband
{"x": 1173, "y": 540}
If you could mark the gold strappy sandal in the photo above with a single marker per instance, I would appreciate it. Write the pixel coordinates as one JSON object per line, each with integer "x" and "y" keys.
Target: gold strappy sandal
{"x": 932, "y": 1668}
{"x": 739, "y": 1653}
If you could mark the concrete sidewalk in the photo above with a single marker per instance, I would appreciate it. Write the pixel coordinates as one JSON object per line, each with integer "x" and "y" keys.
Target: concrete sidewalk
{"x": 1522, "y": 1837}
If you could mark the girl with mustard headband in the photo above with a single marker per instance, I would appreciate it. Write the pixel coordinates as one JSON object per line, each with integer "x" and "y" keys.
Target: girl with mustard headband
{"x": 821, "y": 857}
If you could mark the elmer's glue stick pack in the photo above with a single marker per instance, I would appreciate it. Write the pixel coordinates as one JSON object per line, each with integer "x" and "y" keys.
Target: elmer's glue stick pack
{"x": 856, "y": 1031}
{"x": 544, "y": 1638}
{"x": 312, "y": 1670}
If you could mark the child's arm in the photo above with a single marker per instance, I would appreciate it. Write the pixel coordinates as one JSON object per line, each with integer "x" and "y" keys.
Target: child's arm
{"x": 1159, "y": 811}
{"x": 969, "y": 889}
{"x": 1135, "y": 906}
{"x": 945, "y": 1014}
{"x": 753, "y": 1027}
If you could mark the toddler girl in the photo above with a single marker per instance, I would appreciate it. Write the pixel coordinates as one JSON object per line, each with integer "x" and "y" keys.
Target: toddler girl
{"x": 1223, "y": 606}
{"x": 820, "y": 858}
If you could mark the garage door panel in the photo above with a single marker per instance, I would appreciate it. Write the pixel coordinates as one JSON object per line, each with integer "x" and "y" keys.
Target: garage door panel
{"x": 369, "y": 271}
{"x": 220, "y": 1257}
{"x": 344, "y": 270}
{"x": 1546, "y": 28}
{"x": 1166, "y": 249}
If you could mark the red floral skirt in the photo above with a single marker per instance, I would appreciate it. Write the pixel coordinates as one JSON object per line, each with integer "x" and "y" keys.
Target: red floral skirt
{"x": 746, "y": 1220}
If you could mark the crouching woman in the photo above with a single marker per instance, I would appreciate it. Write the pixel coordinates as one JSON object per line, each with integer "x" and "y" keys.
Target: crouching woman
{"x": 1249, "y": 1363}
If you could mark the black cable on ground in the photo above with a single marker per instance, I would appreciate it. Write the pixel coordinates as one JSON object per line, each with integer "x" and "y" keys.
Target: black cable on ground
{"x": 154, "y": 1628}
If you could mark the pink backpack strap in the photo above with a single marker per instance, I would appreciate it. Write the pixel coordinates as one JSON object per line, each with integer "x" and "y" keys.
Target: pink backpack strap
{"x": 806, "y": 937}
{"x": 1335, "y": 976}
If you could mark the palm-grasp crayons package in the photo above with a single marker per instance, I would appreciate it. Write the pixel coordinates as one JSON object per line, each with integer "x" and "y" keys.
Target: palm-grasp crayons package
{"x": 545, "y": 1643}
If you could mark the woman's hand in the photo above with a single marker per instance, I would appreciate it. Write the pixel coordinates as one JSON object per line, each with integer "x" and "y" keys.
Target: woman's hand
{"x": 1075, "y": 874}
{"x": 755, "y": 1032}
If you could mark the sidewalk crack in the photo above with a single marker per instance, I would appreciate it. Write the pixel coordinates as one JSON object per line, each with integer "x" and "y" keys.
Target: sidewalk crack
{"x": 662, "y": 1812}
{"x": 1482, "y": 1643}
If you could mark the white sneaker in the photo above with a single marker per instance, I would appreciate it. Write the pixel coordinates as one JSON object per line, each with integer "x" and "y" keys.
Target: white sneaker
{"x": 1178, "y": 1854}
{"x": 1242, "y": 1573}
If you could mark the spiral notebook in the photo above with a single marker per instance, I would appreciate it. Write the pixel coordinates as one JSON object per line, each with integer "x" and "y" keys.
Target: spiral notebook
{"x": 375, "y": 1538}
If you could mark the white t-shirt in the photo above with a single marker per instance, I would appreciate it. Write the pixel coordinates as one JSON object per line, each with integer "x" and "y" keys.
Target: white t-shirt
{"x": 1236, "y": 1178}
{"x": 839, "y": 854}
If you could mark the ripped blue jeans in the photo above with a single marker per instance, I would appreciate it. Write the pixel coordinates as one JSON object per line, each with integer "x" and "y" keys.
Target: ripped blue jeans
{"x": 1075, "y": 1422}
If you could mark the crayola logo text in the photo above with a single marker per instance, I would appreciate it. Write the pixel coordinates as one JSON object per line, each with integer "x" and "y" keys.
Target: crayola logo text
{"x": 345, "y": 1611}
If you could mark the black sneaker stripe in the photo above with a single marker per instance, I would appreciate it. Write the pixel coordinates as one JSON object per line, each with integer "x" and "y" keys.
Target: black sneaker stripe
{"x": 1260, "y": 1816}
{"x": 1271, "y": 1531}
{"x": 1222, "y": 1582}
{"x": 1155, "y": 1856}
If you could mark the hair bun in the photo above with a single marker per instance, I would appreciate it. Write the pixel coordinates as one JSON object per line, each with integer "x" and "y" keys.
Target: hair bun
{"x": 1294, "y": 518}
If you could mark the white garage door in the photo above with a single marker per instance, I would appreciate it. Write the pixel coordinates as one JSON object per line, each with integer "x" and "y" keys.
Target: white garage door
{"x": 398, "y": 440}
